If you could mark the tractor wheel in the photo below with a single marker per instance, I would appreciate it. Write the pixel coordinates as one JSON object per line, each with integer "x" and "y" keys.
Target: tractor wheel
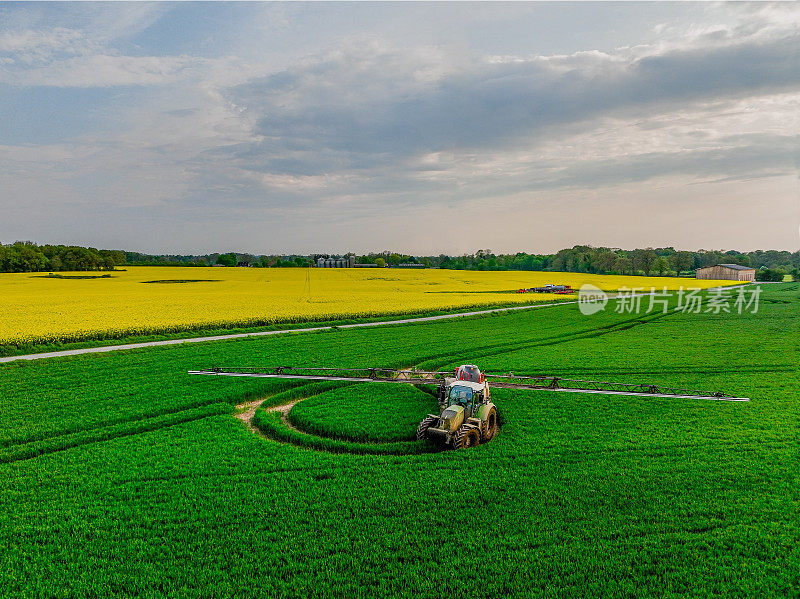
{"x": 422, "y": 429}
{"x": 466, "y": 437}
{"x": 491, "y": 425}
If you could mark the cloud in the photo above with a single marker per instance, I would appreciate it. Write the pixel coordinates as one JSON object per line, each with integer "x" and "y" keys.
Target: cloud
{"x": 103, "y": 22}
{"x": 378, "y": 112}
{"x": 61, "y": 57}
{"x": 102, "y": 70}
{"x": 36, "y": 45}
{"x": 377, "y": 104}
{"x": 754, "y": 154}
{"x": 367, "y": 126}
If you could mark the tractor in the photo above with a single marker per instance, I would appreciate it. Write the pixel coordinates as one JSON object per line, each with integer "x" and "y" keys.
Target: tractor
{"x": 466, "y": 416}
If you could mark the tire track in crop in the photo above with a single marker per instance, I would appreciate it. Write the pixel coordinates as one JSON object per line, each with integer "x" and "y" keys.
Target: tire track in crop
{"x": 600, "y": 332}
{"x": 442, "y": 359}
{"x": 48, "y": 435}
{"x": 489, "y": 350}
{"x": 249, "y": 411}
{"x": 246, "y": 412}
{"x": 34, "y": 449}
{"x": 676, "y": 370}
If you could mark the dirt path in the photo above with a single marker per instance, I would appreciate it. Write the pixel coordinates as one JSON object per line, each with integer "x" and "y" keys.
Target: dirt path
{"x": 247, "y": 410}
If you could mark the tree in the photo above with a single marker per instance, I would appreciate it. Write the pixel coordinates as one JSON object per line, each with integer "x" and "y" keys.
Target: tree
{"x": 623, "y": 265}
{"x": 112, "y": 258}
{"x": 380, "y": 262}
{"x": 775, "y": 275}
{"x": 643, "y": 260}
{"x": 32, "y": 260}
{"x": 682, "y": 261}
{"x": 605, "y": 261}
{"x": 227, "y": 259}
{"x": 661, "y": 265}
{"x": 709, "y": 258}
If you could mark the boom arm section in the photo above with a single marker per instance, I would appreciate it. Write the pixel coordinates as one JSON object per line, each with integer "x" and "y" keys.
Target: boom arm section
{"x": 354, "y": 375}
{"x": 498, "y": 381}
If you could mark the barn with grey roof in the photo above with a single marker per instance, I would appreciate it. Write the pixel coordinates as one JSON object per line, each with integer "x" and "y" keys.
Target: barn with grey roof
{"x": 728, "y": 272}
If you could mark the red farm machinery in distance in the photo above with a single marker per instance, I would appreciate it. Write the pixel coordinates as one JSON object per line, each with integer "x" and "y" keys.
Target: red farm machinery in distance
{"x": 557, "y": 289}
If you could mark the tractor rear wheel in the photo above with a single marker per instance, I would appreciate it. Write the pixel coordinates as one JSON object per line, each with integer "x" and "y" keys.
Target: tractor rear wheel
{"x": 466, "y": 437}
{"x": 491, "y": 425}
{"x": 422, "y": 429}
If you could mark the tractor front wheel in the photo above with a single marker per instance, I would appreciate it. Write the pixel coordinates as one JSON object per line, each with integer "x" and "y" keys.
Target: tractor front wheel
{"x": 466, "y": 437}
{"x": 422, "y": 429}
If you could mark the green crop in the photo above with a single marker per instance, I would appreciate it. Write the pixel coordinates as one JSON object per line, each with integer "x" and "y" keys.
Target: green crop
{"x": 272, "y": 425}
{"x": 366, "y": 412}
{"x": 122, "y": 476}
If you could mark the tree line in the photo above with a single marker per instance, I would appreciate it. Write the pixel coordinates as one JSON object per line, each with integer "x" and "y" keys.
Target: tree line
{"x": 770, "y": 264}
{"x": 604, "y": 260}
{"x": 26, "y": 256}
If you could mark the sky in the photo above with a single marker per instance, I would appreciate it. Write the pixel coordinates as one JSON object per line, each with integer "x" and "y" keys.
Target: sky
{"x": 418, "y": 127}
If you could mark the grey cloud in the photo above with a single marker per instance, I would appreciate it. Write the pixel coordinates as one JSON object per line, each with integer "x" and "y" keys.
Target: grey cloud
{"x": 757, "y": 156}
{"x": 743, "y": 68}
{"x": 317, "y": 106}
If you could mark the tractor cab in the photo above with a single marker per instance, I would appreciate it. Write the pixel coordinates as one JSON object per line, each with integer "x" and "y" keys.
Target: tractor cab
{"x": 466, "y": 394}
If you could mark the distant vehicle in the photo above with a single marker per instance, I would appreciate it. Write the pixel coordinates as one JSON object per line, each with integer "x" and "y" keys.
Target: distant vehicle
{"x": 558, "y": 289}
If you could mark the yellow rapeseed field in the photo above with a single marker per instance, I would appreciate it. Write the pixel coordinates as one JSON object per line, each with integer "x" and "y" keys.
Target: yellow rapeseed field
{"x": 143, "y": 300}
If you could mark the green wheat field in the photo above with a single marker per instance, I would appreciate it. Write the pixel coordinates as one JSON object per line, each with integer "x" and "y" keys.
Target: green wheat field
{"x": 122, "y": 476}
